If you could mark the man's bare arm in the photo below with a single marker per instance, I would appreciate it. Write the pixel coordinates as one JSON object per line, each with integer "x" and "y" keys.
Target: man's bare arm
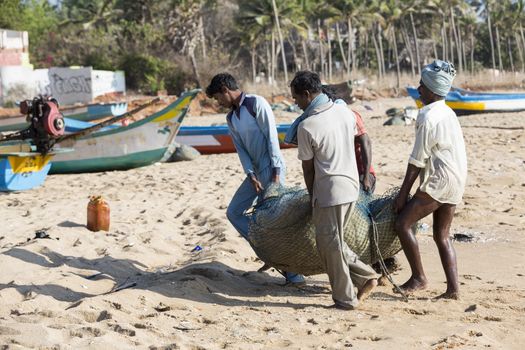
{"x": 410, "y": 176}
{"x": 309, "y": 174}
{"x": 366, "y": 158}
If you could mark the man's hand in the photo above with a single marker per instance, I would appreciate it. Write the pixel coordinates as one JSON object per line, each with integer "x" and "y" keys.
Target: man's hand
{"x": 400, "y": 202}
{"x": 366, "y": 183}
{"x": 256, "y": 184}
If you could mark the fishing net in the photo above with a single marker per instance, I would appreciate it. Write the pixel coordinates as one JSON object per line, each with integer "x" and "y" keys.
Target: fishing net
{"x": 283, "y": 236}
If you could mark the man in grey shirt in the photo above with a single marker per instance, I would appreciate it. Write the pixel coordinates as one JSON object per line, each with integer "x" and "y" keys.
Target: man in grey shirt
{"x": 325, "y": 137}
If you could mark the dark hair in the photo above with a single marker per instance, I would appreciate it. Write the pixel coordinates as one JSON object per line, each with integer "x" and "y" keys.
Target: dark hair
{"x": 306, "y": 81}
{"x": 219, "y": 81}
{"x": 330, "y": 92}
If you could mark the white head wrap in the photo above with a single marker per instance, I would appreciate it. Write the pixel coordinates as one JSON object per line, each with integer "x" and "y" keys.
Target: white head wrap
{"x": 438, "y": 77}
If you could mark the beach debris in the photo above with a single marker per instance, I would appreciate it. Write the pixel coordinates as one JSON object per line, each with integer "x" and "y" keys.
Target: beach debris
{"x": 423, "y": 227}
{"x": 463, "y": 237}
{"x": 122, "y": 286}
{"x": 42, "y": 234}
{"x": 75, "y": 304}
{"x": 119, "y": 329}
{"x": 129, "y": 245}
{"x": 401, "y": 116}
{"x": 197, "y": 248}
{"x": 93, "y": 276}
{"x": 184, "y": 153}
{"x": 186, "y": 326}
{"x": 471, "y": 308}
{"x": 104, "y": 315}
{"x": 162, "y": 307}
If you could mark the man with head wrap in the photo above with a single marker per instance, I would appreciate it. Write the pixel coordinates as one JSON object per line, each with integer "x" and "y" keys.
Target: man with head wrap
{"x": 440, "y": 158}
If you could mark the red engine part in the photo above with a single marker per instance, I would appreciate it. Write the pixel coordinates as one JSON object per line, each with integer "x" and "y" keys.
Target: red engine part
{"x": 53, "y": 120}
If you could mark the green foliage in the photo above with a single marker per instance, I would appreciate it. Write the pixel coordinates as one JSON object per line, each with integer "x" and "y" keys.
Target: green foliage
{"x": 144, "y": 72}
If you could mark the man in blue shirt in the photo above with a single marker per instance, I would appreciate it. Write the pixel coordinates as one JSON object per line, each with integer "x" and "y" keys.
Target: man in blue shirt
{"x": 252, "y": 127}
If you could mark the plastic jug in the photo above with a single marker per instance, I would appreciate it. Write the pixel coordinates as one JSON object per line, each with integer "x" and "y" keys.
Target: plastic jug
{"x": 97, "y": 214}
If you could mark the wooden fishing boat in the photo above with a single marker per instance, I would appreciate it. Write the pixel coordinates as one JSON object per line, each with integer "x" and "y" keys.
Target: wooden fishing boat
{"x": 217, "y": 139}
{"x": 205, "y": 139}
{"x": 85, "y": 113}
{"x": 141, "y": 143}
{"x": 465, "y": 102}
{"x": 22, "y": 168}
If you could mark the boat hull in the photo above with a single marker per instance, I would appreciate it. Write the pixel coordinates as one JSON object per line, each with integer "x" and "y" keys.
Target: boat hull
{"x": 464, "y": 104}
{"x": 217, "y": 139}
{"x": 23, "y": 172}
{"x": 139, "y": 144}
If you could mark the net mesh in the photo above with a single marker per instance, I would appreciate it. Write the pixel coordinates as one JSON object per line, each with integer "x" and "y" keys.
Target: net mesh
{"x": 283, "y": 236}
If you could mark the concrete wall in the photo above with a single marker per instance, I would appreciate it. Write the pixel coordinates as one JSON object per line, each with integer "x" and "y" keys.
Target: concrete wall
{"x": 67, "y": 85}
{"x": 14, "y": 48}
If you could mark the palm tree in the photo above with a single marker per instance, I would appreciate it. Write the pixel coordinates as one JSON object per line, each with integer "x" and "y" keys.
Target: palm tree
{"x": 349, "y": 11}
{"x": 391, "y": 12}
{"x": 283, "y": 54}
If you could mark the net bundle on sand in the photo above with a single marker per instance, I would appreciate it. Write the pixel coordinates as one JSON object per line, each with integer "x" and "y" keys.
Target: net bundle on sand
{"x": 283, "y": 236}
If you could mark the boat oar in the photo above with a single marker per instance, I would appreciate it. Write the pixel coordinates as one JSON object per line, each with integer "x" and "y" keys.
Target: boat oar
{"x": 106, "y": 122}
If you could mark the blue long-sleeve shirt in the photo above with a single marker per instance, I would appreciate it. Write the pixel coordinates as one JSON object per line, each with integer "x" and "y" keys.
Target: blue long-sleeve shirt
{"x": 254, "y": 134}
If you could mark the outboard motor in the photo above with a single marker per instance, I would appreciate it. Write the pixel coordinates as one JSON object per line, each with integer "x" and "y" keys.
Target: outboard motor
{"x": 46, "y": 122}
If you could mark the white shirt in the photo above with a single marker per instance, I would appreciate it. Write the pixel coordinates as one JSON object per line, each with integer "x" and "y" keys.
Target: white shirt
{"x": 440, "y": 150}
{"x": 327, "y": 136}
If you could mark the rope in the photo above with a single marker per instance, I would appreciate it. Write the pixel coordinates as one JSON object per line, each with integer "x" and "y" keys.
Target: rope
{"x": 381, "y": 260}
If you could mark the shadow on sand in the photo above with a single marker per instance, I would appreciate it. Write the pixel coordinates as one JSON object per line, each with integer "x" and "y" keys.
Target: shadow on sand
{"x": 212, "y": 282}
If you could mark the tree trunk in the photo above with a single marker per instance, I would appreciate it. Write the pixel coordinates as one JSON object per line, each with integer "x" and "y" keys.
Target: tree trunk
{"x": 380, "y": 40}
{"x": 321, "y": 51}
{"x": 329, "y": 41}
{"x": 406, "y": 39}
{"x": 498, "y": 45}
{"x": 434, "y": 47}
{"x": 472, "y": 47}
{"x": 522, "y": 37}
{"x": 194, "y": 67}
{"x": 283, "y": 53}
{"x": 462, "y": 46}
{"x": 520, "y": 51}
{"x": 274, "y": 61}
{"x": 268, "y": 63}
{"x": 367, "y": 43}
{"x": 254, "y": 63}
{"x": 456, "y": 39}
{"x": 418, "y": 59}
{"x": 444, "y": 41}
{"x": 491, "y": 39}
{"x": 340, "y": 42}
{"x": 203, "y": 37}
{"x": 396, "y": 56}
{"x": 305, "y": 53}
{"x": 511, "y": 59}
{"x": 351, "y": 53}
{"x": 292, "y": 42}
{"x": 451, "y": 43}
{"x": 378, "y": 56}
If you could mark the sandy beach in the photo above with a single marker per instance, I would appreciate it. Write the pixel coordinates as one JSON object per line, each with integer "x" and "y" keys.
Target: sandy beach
{"x": 63, "y": 292}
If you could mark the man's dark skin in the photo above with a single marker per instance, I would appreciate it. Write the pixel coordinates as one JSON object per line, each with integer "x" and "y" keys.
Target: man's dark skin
{"x": 417, "y": 208}
{"x": 229, "y": 99}
{"x": 303, "y": 101}
{"x": 366, "y": 156}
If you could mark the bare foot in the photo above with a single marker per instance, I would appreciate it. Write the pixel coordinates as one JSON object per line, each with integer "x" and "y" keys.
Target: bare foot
{"x": 449, "y": 295}
{"x": 412, "y": 285}
{"x": 364, "y": 292}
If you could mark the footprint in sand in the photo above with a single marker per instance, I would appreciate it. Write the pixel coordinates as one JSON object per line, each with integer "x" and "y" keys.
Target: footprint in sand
{"x": 119, "y": 329}
{"x": 87, "y": 332}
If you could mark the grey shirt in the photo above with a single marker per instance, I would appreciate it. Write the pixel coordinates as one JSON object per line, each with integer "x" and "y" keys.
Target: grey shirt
{"x": 327, "y": 137}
